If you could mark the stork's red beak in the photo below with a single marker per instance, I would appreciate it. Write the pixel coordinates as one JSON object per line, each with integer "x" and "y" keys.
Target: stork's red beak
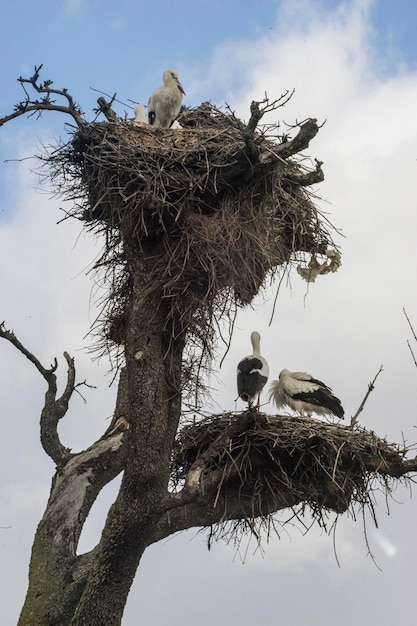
{"x": 180, "y": 87}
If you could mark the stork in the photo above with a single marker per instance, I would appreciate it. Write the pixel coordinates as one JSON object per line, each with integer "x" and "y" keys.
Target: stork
{"x": 140, "y": 115}
{"x": 252, "y": 373}
{"x": 304, "y": 394}
{"x": 165, "y": 103}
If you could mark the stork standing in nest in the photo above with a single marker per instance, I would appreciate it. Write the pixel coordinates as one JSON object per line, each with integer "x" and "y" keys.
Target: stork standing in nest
{"x": 304, "y": 394}
{"x": 252, "y": 373}
{"x": 165, "y": 103}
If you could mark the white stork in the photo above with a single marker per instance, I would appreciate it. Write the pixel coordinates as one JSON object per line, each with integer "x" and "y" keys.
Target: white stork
{"x": 165, "y": 103}
{"x": 304, "y": 394}
{"x": 252, "y": 373}
{"x": 140, "y": 115}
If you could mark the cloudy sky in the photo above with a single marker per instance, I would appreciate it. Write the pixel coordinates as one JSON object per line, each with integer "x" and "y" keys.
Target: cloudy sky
{"x": 353, "y": 64}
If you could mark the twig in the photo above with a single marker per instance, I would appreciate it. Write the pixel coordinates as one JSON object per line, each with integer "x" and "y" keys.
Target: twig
{"x": 371, "y": 387}
{"x": 414, "y": 335}
{"x": 410, "y": 325}
{"x": 114, "y": 99}
{"x": 412, "y": 353}
{"x": 83, "y": 384}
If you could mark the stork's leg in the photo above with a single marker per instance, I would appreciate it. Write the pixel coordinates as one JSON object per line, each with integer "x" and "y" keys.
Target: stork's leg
{"x": 258, "y": 404}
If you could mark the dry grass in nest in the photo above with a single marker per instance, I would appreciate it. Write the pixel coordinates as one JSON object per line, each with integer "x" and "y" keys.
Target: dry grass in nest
{"x": 276, "y": 462}
{"x": 212, "y": 210}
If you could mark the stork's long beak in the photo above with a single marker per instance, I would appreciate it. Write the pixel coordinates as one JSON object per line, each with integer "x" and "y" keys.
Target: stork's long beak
{"x": 180, "y": 87}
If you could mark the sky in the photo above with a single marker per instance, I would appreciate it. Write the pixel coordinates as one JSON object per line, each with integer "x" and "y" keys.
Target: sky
{"x": 353, "y": 65}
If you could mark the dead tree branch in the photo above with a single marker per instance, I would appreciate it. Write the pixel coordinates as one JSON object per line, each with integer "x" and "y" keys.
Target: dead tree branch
{"x": 371, "y": 387}
{"x": 46, "y": 103}
{"x": 105, "y": 108}
{"x": 308, "y": 178}
{"x": 258, "y": 109}
{"x": 308, "y": 130}
{"x": 414, "y": 335}
{"x": 54, "y": 409}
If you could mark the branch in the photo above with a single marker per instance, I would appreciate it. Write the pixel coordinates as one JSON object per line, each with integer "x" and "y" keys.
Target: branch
{"x": 371, "y": 387}
{"x": 77, "y": 485}
{"x": 53, "y": 409}
{"x": 414, "y": 335}
{"x": 308, "y": 130}
{"x": 393, "y": 467}
{"x": 257, "y": 113}
{"x": 217, "y": 508}
{"x": 310, "y": 178}
{"x": 46, "y": 103}
{"x": 410, "y": 325}
{"x": 105, "y": 108}
{"x": 10, "y": 336}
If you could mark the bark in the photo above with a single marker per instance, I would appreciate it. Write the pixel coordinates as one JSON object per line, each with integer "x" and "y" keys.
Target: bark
{"x": 57, "y": 576}
{"x": 153, "y": 365}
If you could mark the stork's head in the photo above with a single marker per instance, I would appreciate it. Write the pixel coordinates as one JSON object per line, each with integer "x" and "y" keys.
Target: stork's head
{"x": 170, "y": 76}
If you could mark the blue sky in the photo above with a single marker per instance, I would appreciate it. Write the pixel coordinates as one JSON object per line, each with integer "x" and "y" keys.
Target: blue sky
{"x": 353, "y": 64}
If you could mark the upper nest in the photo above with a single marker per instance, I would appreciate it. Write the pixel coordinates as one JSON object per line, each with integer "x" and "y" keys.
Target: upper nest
{"x": 215, "y": 208}
{"x": 274, "y": 462}
{"x": 211, "y": 178}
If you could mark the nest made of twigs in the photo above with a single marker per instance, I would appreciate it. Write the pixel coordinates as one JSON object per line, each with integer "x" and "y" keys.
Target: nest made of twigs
{"x": 213, "y": 211}
{"x": 275, "y": 462}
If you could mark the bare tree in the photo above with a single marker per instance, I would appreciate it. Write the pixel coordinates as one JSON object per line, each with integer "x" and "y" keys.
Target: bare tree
{"x": 194, "y": 223}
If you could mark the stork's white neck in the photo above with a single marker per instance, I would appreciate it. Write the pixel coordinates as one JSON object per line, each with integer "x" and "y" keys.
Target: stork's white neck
{"x": 256, "y": 343}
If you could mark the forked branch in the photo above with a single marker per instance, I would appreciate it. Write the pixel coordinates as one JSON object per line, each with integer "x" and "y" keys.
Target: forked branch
{"x": 46, "y": 103}
{"x": 54, "y": 409}
{"x": 257, "y": 110}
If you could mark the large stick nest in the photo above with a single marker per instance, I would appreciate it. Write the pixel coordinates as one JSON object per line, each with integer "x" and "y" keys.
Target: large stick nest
{"x": 213, "y": 210}
{"x": 275, "y": 462}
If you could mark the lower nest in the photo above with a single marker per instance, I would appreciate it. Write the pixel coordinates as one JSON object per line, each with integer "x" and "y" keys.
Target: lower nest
{"x": 275, "y": 462}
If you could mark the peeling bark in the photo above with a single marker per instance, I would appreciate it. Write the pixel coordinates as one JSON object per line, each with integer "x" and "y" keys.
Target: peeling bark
{"x": 57, "y": 576}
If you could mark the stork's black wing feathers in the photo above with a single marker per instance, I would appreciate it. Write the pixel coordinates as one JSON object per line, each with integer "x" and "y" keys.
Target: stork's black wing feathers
{"x": 247, "y": 365}
{"x": 322, "y": 397}
{"x": 249, "y": 385}
{"x": 316, "y": 381}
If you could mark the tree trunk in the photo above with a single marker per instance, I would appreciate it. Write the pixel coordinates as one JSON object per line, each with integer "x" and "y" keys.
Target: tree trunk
{"x": 153, "y": 366}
